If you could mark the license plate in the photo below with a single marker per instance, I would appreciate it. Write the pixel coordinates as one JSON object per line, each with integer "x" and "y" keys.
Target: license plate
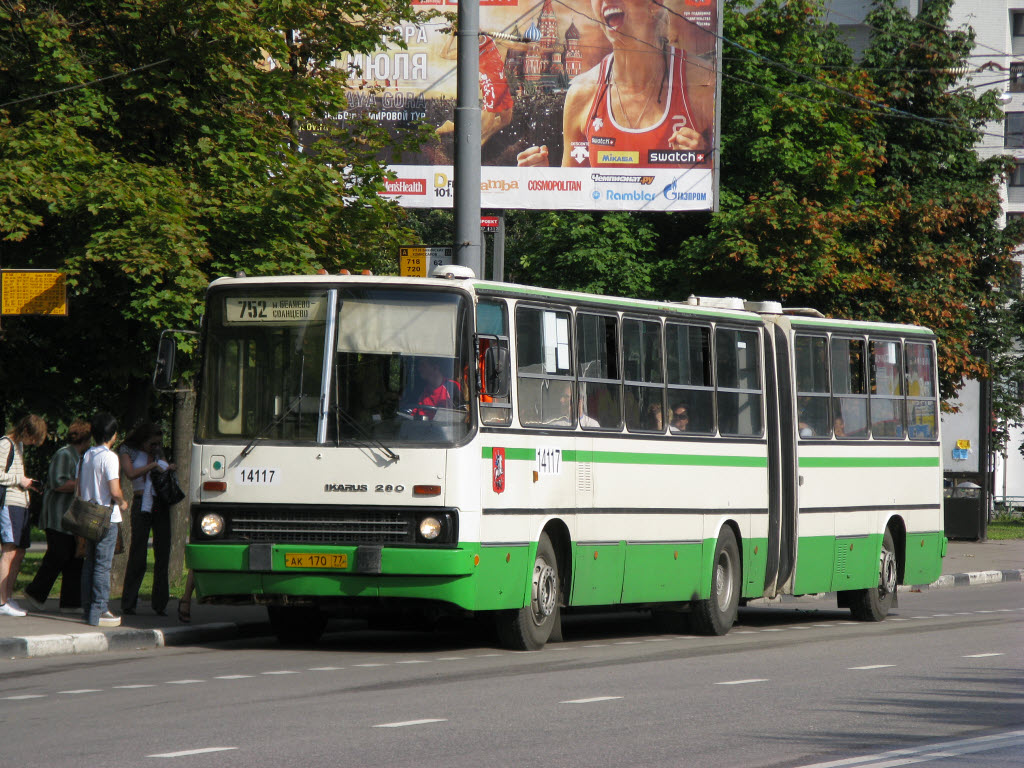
{"x": 315, "y": 560}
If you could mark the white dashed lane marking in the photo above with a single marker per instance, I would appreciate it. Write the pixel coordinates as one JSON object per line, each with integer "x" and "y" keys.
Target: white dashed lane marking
{"x": 24, "y": 696}
{"x": 873, "y": 666}
{"x": 404, "y": 723}
{"x": 281, "y": 672}
{"x": 982, "y": 655}
{"x": 187, "y": 752}
{"x": 184, "y": 682}
{"x": 324, "y": 669}
{"x": 591, "y": 700}
{"x": 231, "y": 677}
{"x": 83, "y": 690}
{"x": 137, "y": 685}
{"x": 744, "y": 682}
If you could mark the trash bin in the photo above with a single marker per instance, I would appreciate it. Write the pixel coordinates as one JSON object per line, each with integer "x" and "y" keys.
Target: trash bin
{"x": 965, "y": 516}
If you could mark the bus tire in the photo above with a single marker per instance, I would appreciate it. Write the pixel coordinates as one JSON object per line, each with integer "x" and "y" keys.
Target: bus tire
{"x": 717, "y": 614}
{"x": 873, "y": 604}
{"x": 530, "y": 627}
{"x": 296, "y": 624}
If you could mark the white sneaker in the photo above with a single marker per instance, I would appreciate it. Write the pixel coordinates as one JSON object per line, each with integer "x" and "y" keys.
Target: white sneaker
{"x": 8, "y": 609}
{"x": 109, "y": 620}
{"x": 14, "y": 604}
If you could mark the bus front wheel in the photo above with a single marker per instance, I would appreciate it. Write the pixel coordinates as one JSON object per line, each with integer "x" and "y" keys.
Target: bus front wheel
{"x": 530, "y": 627}
{"x": 717, "y": 614}
{"x": 296, "y": 624}
{"x": 873, "y": 604}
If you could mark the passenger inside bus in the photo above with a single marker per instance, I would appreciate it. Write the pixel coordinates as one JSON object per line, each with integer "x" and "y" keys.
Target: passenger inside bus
{"x": 680, "y": 418}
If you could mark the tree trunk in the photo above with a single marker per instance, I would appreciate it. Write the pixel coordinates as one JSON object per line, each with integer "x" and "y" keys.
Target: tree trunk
{"x": 181, "y": 523}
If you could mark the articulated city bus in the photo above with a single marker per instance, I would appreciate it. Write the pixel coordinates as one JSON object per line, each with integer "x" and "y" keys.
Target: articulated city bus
{"x": 447, "y": 445}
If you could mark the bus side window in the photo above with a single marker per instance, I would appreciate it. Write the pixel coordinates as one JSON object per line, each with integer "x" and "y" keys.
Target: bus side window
{"x": 492, "y": 319}
{"x": 645, "y": 391}
{"x": 688, "y": 373}
{"x": 597, "y": 353}
{"x": 849, "y": 389}
{"x": 887, "y": 389}
{"x": 921, "y": 405}
{"x": 543, "y": 367}
{"x": 737, "y": 365}
{"x": 814, "y": 419}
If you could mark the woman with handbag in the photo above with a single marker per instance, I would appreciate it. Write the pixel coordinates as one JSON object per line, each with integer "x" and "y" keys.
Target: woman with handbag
{"x": 140, "y": 461}
{"x": 60, "y": 559}
{"x": 15, "y": 527}
{"x": 99, "y": 482}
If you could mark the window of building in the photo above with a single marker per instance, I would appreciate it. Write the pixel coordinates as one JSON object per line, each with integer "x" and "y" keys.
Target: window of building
{"x": 1013, "y": 129}
{"x": 1016, "y": 78}
{"x": 1017, "y": 176}
{"x": 1017, "y": 23}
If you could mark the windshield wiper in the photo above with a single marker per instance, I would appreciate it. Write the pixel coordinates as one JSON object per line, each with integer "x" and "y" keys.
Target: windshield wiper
{"x": 270, "y": 425}
{"x": 338, "y": 410}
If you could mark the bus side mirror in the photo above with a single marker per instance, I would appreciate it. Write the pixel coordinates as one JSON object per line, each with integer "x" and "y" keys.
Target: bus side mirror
{"x": 164, "y": 373}
{"x": 496, "y": 371}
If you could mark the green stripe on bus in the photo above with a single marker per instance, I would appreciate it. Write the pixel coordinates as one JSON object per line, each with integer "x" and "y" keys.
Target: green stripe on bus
{"x": 623, "y": 457}
{"x": 868, "y": 461}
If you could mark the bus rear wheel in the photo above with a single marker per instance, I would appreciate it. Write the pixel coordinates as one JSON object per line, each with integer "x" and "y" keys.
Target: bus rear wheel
{"x": 873, "y": 604}
{"x": 530, "y": 627}
{"x": 296, "y": 624}
{"x": 717, "y": 614}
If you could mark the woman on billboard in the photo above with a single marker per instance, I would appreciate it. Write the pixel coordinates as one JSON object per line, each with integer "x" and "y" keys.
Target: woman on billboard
{"x": 637, "y": 106}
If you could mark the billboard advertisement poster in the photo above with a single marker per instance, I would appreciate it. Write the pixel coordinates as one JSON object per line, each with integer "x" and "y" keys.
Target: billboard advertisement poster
{"x": 585, "y": 104}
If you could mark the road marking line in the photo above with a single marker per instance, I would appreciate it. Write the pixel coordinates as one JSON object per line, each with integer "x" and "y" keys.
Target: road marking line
{"x": 452, "y": 658}
{"x": 873, "y": 666}
{"x": 745, "y": 632}
{"x": 323, "y": 669}
{"x": 744, "y": 682}
{"x": 370, "y": 664}
{"x": 83, "y": 690}
{"x": 590, "y": 700}
{"x": 281, "y": 672}
{"x": 187, "y": 752}
{"x": 487, "y": 655}
{"x": 412, "y": 661}
{"x": 773, "y": 629}
{"x": 598, "y": 645}
{"x": 920, "y": 617}
{"x": 183, "y": 682}
{"x": 657, "y": 640}
{"x": 941, "y": 615}
{"x": 984, "y": 611}
{"x": 895, "y": 618}
{"x": 627, "y": 642}
{"x": 412, "y": 722}
{"x": 928, "y": 752}
{"x": 982, "y": 655}
{"x": 231, "y": 677}
{"x": 24, "y": 696}
{"x": 137, "y": 685}
{"x": 829, "y": 625}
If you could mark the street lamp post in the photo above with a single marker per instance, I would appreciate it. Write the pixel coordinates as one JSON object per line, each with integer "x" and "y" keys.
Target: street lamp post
{"x": 467, "y": 141}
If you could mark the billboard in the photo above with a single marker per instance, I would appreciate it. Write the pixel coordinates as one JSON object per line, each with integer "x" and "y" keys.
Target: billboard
{"x": 585, "y": 104}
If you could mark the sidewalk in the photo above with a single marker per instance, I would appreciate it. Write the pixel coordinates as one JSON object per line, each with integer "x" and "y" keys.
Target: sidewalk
{"x": 52, "y": 634}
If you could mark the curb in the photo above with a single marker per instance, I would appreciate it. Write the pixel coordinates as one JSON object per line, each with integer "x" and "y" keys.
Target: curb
{"x": 80, "y": 643}
{"x": 969, "y": 579}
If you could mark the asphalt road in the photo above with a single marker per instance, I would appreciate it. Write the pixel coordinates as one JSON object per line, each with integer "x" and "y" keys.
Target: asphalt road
{"x": 942, "y": 680}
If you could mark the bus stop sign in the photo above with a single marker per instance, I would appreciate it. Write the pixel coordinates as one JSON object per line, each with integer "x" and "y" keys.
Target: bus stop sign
{"x": 33, "y": 292}
{"x": 419, "y": 261}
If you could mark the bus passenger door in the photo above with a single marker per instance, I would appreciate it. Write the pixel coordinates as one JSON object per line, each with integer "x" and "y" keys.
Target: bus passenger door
{"x": 782, "y": 471}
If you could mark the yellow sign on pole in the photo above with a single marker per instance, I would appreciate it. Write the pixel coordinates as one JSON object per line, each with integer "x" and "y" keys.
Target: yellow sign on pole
{"x": 33, "y": 292}
{"x": 420, "y": 260}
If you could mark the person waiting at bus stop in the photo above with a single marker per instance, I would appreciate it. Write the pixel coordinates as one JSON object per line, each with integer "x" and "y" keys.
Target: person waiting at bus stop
{"x": 438, "y": 391}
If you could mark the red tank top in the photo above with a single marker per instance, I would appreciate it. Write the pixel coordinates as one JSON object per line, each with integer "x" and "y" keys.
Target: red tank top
{"x": 493, "y": 83}
{"x": 613, "y": 145}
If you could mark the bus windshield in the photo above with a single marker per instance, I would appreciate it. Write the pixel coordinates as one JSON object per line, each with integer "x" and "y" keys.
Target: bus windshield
{"x": 389, "y": 365}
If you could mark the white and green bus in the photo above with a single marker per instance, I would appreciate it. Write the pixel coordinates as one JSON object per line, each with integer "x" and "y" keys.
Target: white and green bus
{"x": 585, "y": 451}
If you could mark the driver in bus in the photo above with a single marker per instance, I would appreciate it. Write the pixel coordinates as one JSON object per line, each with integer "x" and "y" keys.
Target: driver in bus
{"x": 438, "y": 391}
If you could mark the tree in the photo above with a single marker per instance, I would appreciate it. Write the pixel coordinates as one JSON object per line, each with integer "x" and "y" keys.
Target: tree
{"x": 148, "y": 146}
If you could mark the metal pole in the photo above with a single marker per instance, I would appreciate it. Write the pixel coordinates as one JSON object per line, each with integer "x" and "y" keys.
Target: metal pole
{"x": 467, "y": 141}
{"x": 498, "y": 266}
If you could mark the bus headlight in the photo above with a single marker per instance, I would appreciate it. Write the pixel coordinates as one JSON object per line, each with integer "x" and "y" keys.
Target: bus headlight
{"x": 212, "y": 524}
{"x": 430, "y": 528}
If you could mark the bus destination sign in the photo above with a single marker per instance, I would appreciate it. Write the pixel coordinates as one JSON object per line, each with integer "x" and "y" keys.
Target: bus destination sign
{"x": 273, "y": 310}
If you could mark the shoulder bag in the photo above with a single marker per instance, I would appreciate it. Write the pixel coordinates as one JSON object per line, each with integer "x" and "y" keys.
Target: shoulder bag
{"x": 165, "y": 486}
{"x": 86, "y": 518}
{"x": 10, "y": 460}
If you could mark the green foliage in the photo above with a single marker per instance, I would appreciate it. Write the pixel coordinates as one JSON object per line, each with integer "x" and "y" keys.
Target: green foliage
{"x": 149, "y": 146}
